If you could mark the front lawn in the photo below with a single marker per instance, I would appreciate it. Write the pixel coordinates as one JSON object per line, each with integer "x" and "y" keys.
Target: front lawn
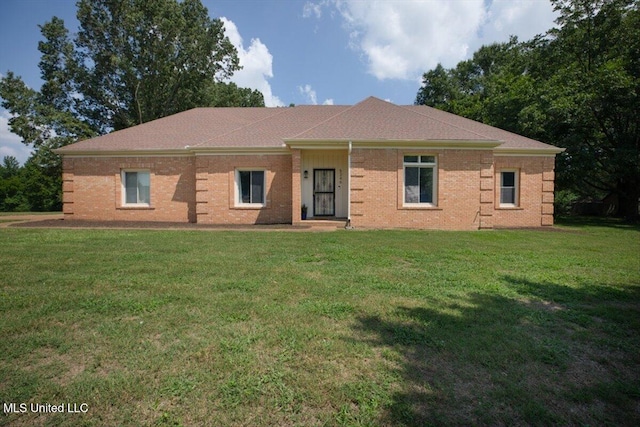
{"x": 339, "y": 328}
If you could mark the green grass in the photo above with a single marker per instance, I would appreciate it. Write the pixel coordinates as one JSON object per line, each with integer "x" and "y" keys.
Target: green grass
{"x": 340, "y": 328}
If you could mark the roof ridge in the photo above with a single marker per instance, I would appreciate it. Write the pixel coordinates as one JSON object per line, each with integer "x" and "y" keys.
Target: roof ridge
{"x": 350, "y": 107}
{"x": 406, "y": 107}
{"x": 275, "y": 113}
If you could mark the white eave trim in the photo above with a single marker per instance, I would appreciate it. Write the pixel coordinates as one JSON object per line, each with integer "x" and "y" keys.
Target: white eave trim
{"x": 511, "y": 152}
{"x": 124, "y": 153}
{"x": 394, "y": 143}
{"x": 185, "y": 152}
{"x": 227, "y": 151}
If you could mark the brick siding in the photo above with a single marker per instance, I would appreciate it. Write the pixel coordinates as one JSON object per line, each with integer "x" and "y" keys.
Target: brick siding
{"x": 378, "y": 190}
{"x": 215, "y": 189}
{"x": 536, "y": 184}
{"x": 202, "y": 189}
{"x": 92, "y": 189}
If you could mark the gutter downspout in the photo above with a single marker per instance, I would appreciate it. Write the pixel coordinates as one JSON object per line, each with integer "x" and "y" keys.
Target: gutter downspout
{"x": 348, "y": 226}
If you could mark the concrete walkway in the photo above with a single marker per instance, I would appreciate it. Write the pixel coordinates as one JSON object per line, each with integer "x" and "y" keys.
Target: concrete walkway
{"x": 6, "y": 220}
{"x": 57, "y": 221}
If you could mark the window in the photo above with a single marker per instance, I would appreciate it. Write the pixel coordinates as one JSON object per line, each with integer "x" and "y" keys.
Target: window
{"x": 251, "y": 187}
{"x": 136, "y": 187}
{"x": 508, "y": 188}
{"x": 420, "y": 180}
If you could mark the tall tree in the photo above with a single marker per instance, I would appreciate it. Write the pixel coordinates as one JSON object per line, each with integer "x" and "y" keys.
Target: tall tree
{"x": 138, "y": 60}
{"x": 595, "y": 94}
{"x": 131, "y": 61}
{"x": 577, "y": 87}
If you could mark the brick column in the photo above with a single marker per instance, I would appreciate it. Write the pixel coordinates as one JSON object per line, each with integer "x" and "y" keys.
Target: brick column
{"x": 296, "y": 187}
{"x": 67, "y": 188}
{"x": 487, "y": 173}
{"x": 356, "y": 184}
{"x": 203, "y": 205}
{"x": 548, "y": 177}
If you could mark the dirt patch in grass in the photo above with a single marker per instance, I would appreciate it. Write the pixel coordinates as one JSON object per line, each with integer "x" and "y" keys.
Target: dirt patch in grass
{"x": 152, "y": 225}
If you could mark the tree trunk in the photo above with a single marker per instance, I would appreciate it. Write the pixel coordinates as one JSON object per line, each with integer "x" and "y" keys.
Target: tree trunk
{"x": 629, "y": 196}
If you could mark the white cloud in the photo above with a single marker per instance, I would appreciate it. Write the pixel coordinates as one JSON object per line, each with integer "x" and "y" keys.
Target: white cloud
{"x": 309, "y": 94}
{"x": 10, "y": 143}
{"x": 256, "y": 62}
{"x": 311, "y": 97}
{"x": 310, "y": 9}
{"x": 403, "y": 39}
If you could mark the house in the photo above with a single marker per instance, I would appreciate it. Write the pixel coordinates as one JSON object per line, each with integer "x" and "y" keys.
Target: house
{"x": 373, "y": 164}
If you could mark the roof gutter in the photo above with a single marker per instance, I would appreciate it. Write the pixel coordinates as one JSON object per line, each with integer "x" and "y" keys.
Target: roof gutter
{"x": 392, "y": 143}
{"x": 186, "y": 151}
{"x": 551, "y": 151}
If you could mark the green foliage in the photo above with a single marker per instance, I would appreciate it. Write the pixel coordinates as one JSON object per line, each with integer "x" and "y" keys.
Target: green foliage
{"x": 577, "y": 87}
{"x": 223, "y": 94}
{"x": 131, "y": 61}
{"x": 139, "y": 60}
{"x": 563, "y": 201}
{"x": 32, "y": 187}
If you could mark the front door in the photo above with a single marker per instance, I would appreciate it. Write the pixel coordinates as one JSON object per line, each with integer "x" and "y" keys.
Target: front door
{"x": 324, "y": 192}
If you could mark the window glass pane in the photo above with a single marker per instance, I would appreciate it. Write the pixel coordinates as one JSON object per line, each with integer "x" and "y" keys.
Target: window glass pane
{"x": 508, "y": 179}
{"x": 131, "y": 187}
{"x": 427, "y": 159}
{"x": 508, "y": 195}
{"x": 411, "y": 159}
{"x": 411, "y": 185}
{"x": 245, "y": 186}
{"x": 257, "y": 187}
{"x": 426, "y": 185}
{"x": 143, "y": 187}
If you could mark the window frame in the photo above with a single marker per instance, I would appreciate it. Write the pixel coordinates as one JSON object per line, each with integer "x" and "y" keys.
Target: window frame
{"x": 516, "y": 188}
{"x": 123, "y": 184}
{"x": 433, "y": 165}
{"x": 238, "y": 189}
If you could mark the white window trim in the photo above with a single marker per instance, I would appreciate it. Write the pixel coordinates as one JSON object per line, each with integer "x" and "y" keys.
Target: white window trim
{"x": 123, "y": 189}
{"x": 238, "y": 193}
{"x": 516, "y": 189}
{"x": 433, "y": 165}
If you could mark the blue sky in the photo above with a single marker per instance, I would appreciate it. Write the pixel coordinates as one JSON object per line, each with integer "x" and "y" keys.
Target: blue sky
{"x": 311, "y": 51}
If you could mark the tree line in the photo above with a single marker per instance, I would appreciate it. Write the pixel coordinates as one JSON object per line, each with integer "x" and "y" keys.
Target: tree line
{"x": 577, "y": 87}
{"x": 130, "y": 62}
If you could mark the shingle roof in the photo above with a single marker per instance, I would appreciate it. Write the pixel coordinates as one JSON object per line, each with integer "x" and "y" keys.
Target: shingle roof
{"x": 371, "y": 120}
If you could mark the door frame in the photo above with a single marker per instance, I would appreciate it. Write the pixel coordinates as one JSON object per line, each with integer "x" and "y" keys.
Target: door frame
{"x": 333, "y": 192}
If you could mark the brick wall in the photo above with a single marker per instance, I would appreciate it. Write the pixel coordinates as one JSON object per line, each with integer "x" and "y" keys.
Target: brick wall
{"x": 378, "y": 186}
{"x": 215, "y": 189}
{"x": 536, "y": 184}
{"x": 468, "y": 188}
{"x": 202, "y": 189}
{"x": 92, "y": 189}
